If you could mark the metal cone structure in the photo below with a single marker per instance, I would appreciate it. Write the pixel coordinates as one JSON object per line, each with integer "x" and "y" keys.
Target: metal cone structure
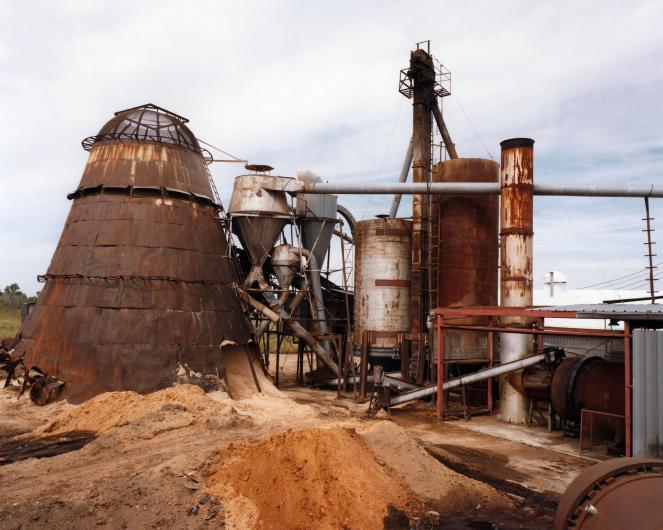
{"x": 258, "y": 213}
{"x": 141, "y": 283}
{"x": 258, "y": 235}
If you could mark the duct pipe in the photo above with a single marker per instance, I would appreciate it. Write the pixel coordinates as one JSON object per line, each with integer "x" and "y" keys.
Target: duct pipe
{"x": 316, "y": 289}
{"x": 347, "y": 215}
{"x": 294, "y": 326}
{"x": 446, "y": 137}
{"x": 479, "y": 188}
{"x": 280, "y": 302}
{"x": 516, "y": 231}
{"x": 481, "y": 375}
{"x": 405, "y": 170}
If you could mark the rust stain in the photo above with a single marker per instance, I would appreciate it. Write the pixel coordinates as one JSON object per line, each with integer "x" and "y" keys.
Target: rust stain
{"x": 465, "y": 228}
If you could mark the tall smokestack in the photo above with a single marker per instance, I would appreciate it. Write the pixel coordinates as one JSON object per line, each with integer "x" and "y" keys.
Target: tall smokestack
{"x": 516, "y": 231}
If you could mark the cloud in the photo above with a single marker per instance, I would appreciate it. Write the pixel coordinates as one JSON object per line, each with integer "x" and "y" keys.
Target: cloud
{"x": 314, "y": 85}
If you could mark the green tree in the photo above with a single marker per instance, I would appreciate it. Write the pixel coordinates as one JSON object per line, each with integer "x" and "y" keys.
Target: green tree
{"x": 13, "y": 296}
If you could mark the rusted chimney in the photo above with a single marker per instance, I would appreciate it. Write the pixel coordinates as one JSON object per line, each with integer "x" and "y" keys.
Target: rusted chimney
{"x": 516, "y": 231}
{"x": 140, "y": 285}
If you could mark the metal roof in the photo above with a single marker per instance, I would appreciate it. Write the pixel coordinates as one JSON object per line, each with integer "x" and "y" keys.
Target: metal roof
{"x": 614, "y": 311}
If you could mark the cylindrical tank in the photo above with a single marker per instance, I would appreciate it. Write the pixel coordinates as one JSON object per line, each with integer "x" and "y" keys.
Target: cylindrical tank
{"x": 516, "y": 232}
{"x": 466, "y": 230}
{"x": 383, "y": 249}
{"x": 588, "y": 382}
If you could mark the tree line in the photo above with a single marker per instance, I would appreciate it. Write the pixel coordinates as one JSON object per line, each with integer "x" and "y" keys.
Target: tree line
{"x": 12, "y": 296}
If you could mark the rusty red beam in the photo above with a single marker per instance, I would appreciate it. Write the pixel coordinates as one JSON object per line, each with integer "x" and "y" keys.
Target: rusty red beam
{"x": 464, "y": 312}
{"x": 440, "y": 371}
{"x": 627, "y": 387}
{"x": 569, "y": 332}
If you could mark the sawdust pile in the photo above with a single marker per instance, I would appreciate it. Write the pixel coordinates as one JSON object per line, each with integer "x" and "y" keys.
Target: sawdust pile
{"x": 115, "y": 409}
{"x": 313, "y": 478}
{"x": 241, "y": 380}
{"x": 425, "y": 476}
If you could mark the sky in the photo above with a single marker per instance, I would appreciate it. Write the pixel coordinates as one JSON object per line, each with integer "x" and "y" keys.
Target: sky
{"x": 314, "y": 85}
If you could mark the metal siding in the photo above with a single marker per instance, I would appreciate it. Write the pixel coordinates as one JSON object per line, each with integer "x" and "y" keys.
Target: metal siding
{"x": 647, "y": 393}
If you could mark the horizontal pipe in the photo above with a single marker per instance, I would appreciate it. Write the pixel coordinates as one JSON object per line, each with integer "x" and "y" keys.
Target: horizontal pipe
{"x": 564, "y": 332}
{"x": 392, "y": 381}
{"x": 481, "y": 375}
{"x": 475, "y": 188}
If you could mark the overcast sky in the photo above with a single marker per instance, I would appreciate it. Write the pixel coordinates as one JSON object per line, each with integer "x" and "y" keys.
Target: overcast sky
{"x": 313, "y": 85}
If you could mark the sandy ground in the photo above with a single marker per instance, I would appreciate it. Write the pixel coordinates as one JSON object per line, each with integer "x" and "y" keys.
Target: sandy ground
{"x": 180, "y": 458}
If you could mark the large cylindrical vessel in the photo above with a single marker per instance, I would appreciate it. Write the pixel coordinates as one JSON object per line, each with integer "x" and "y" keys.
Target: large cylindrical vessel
{"x": 141, "y": 283}
{"x": 466, "y": 230}
{"x": 383, "y": 250}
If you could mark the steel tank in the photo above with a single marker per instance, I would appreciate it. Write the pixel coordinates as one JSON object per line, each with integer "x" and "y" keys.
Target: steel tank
{"x": 383, "y": 252}
{"x": 465, "y": 236}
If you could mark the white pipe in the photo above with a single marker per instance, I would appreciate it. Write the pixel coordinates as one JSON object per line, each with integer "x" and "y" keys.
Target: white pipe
{"x": 477, "y": 188}
{"x": 481, "y": 375}
{"x": 405, "y": 170}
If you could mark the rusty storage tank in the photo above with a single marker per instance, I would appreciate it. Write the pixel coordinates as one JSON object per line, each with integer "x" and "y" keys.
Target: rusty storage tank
{"x": 383, "y": 254}
{"x": 140, "y": 284}
{"x": 465, "y": 236}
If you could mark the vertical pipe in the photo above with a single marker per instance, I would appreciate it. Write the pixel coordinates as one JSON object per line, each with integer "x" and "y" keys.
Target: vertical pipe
{"x": 490, "y": 365}
{"x": 363, "y": 368}
{"x": 440, "y": 371}
{"x": 516, "y": 231}
{"x": 405, "y": 170}
{"x": 627, "y": 388}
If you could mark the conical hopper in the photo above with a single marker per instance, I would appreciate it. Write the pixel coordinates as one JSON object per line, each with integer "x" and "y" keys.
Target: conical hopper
{"x": 316, "y": 235}
{"x": 258, "y": 235}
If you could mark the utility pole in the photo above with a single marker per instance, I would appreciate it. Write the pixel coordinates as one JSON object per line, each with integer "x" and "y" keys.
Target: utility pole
{"x": 650, "y": 255}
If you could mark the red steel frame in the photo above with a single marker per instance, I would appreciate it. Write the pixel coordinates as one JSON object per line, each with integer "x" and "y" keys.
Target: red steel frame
{"x": 443, "y": 316}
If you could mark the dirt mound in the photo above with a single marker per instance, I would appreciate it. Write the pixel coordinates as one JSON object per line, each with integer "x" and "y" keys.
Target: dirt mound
{"x": 113, "y": 409}
{"x": 426, "y": 476}
{"x": 314, "y": 478}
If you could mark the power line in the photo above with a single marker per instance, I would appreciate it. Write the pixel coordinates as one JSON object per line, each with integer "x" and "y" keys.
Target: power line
{"x": 615, "y": 280}
{"x": 457, "y": 101}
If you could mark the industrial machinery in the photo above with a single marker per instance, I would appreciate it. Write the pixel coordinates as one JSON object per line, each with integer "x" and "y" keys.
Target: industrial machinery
{"x": 152, "y": 278}
{"x": 614, "y": 495}
{"x": 289, "y": 273}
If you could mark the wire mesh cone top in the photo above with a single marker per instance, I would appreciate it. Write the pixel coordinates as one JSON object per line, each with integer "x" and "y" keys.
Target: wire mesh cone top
{"x": 141, "y": 281}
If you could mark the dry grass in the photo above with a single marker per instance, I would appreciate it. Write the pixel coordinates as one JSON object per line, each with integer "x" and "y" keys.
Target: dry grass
{"x": 10, "y": 320}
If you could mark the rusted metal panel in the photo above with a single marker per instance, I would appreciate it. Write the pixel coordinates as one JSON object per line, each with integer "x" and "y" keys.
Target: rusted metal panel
{"x": 382, "y": 279}
{"x": 465, "y": 232}
{"x": 140, "y": 163}
{"x": 392, "y": 283}
{"x": 139, "y": 282}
